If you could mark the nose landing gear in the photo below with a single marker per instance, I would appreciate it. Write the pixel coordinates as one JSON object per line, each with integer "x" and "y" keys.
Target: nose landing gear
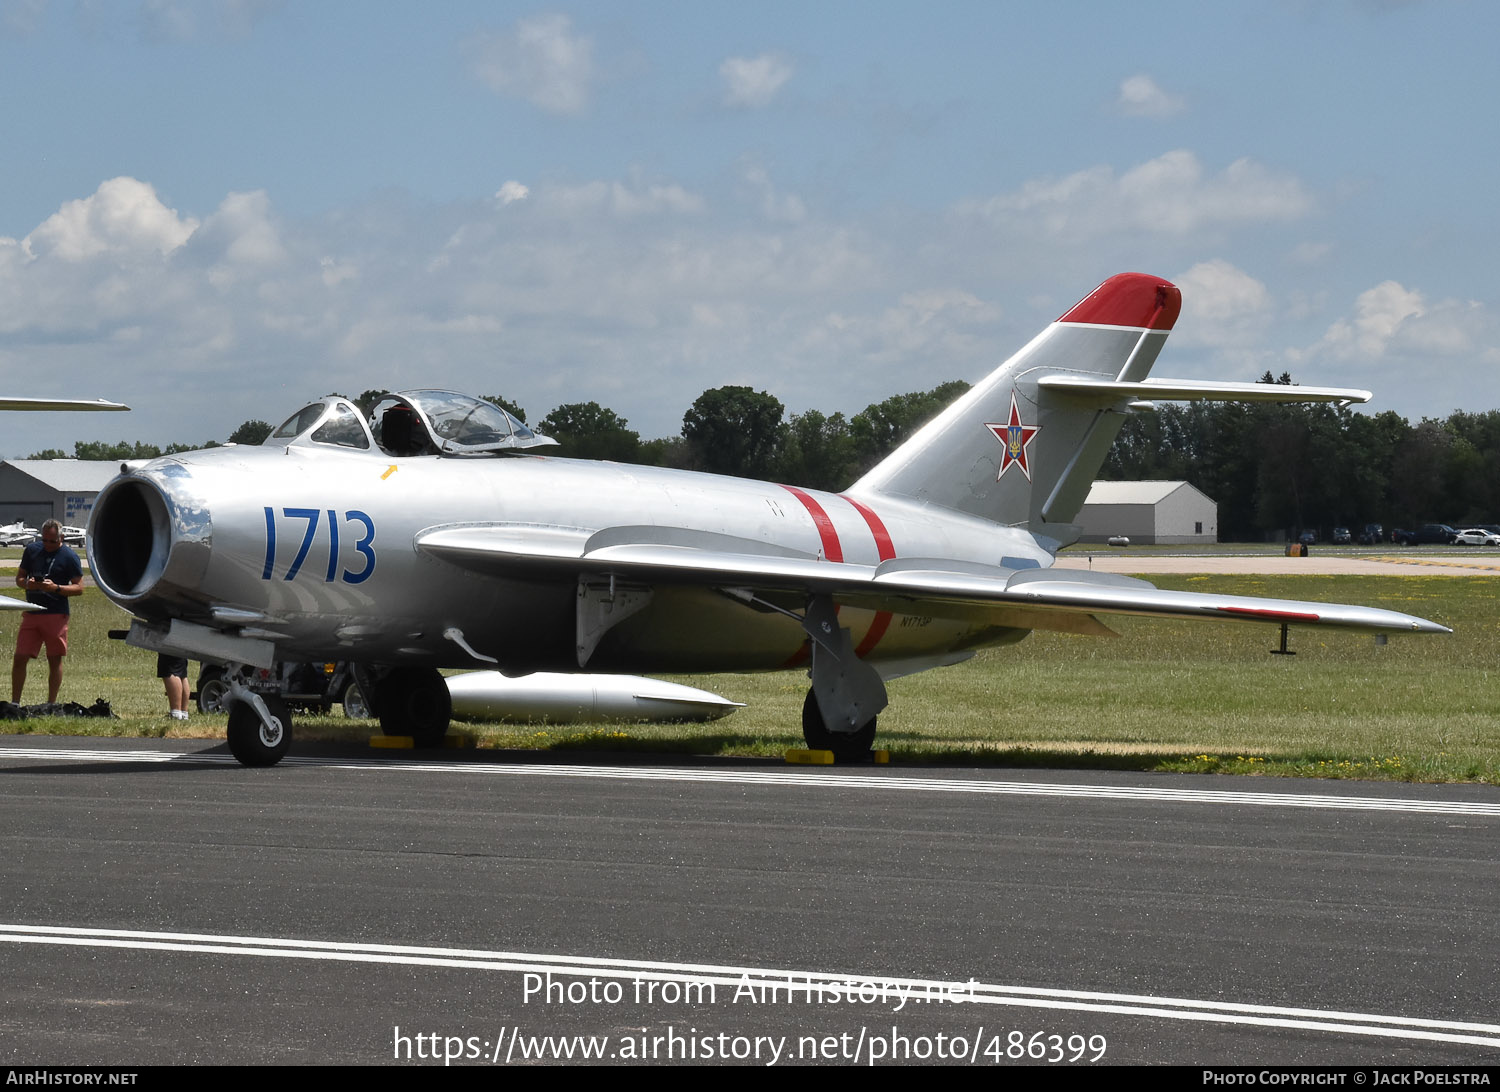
{"x": 260, "y": 725}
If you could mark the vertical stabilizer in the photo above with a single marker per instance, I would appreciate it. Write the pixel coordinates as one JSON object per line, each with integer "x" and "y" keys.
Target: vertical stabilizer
{"x": 1013, "y": 453}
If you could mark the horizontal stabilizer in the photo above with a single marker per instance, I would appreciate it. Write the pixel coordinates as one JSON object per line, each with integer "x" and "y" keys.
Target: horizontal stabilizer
{"x": 1197, "y": 390}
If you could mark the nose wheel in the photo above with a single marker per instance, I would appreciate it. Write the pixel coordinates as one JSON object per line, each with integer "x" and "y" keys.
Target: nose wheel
{"x": 257, "y": 741}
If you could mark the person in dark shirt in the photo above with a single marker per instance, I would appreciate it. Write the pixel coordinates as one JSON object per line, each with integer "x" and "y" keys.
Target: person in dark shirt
{"x": 51, "y": 574}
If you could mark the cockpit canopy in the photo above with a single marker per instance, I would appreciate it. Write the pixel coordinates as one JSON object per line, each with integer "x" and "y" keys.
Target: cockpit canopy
{"x": 410, "y": 423}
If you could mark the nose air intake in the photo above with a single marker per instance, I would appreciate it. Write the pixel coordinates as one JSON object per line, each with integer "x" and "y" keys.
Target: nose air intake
{"x": 129, "y": 538}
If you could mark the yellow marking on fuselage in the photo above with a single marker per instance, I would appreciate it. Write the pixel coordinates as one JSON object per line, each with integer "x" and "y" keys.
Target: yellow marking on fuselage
{"x": 388, "y": 472}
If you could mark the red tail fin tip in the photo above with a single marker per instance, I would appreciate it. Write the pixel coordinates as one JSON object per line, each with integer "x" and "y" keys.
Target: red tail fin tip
{"x": 1129, "y": 299}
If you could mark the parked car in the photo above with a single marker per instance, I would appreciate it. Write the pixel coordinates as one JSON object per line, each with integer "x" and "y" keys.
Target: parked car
{"x": 1308, "y": 538}
{"x": 312, "y": 687}
{"x": 1341, "y": 536}
{"x": 1372, "y": 535}
{"x": 1425, "y": 535}
{"x": 1476, "y": 536}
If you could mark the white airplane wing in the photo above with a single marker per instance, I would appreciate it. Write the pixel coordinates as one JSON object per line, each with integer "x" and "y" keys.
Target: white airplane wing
{"x": 60, "y": 404}
{"x": 1040, "y": 598}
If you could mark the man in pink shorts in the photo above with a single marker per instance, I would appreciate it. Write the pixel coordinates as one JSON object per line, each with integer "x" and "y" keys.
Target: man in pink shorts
{"x": 51, "y": 574}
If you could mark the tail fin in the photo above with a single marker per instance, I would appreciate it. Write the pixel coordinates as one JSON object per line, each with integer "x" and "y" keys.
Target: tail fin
{"x": 1016, "y": 451}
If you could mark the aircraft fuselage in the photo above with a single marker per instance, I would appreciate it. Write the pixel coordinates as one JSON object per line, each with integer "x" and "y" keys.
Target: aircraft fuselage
{"x": 319, "y": 548}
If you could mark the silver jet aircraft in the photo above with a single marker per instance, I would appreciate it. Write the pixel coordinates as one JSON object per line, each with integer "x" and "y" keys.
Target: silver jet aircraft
{"x": 439, "y": 534}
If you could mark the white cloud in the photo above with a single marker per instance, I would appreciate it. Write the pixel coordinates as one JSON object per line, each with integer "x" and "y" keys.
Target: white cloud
{"x": 335, "y": 272}
{"x": 21, "y": 17}
{"x": 511, "y": 191}
{"x": 1140, "y": 96}
{"x": 619, "y": 199}
{"x": 775, "y": 206}
{"x": 1378, "y": 315}
{"x": 754, "y": 81}
{"x": 1169, "y": 195}
{"x": 540, "y": 60}
{"x": 1223, "y": 306}
{"x": 1311, "y": 253}
{"x": 242, "y": 231}
{"x": 185, "y": 20}
{"x": 122, "y": 217}
{"x": 1391, "y": 320}
{"x": 931, "y": 323}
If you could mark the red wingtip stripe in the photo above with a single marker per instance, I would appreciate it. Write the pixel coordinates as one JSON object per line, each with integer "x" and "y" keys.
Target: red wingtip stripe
{"x": 1130, "y": 299}
{"x": 1271, "y": 615}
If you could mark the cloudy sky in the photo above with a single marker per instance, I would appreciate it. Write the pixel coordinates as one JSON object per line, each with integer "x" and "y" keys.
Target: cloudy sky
{"x": 217, "y": 209}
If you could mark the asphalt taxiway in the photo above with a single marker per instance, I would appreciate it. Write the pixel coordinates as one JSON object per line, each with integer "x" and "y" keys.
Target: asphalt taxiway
{"x": 162, "y": 905}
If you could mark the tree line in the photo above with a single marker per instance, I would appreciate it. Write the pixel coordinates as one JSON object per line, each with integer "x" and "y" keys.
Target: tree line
{"x": 1272, "y": 469}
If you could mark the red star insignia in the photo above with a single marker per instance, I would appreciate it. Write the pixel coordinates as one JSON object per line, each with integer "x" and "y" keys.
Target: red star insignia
{"x": 1014, "y": 437}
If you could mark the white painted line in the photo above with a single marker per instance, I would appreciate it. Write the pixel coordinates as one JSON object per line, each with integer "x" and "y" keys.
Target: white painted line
{"x": 888, "y": 990}
{"x": 902, "y": 781}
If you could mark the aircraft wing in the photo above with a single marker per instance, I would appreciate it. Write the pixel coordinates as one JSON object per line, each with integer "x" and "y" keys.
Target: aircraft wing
{"x": 59, "y": 404}
{"x": 9, "y": 603}
{"x": 1038, "y": 598}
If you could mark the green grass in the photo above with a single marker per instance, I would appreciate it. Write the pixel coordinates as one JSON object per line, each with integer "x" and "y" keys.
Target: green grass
{"x": 1166, "y": 695}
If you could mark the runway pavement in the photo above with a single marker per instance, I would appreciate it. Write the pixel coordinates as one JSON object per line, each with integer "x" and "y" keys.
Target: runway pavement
{"x": 162, "y": 904}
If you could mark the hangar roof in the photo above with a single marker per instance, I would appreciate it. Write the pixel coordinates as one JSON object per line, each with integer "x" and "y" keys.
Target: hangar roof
{"x": 69, "y": 475}
{"x": 1136, "y": 492}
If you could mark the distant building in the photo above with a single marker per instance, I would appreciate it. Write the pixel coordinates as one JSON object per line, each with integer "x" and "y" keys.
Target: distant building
{"x": 1172, "y": 513}
{"x": 35, "y": 490}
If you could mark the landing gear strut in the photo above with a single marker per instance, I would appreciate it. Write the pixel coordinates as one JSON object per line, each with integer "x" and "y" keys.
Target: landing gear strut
{"x": 846, "y": 694}
{"x": 414, "y": 701}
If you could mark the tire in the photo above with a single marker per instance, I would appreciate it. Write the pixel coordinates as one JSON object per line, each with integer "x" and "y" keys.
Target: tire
{"x": 213, "y": 691}
{"x": 846, "y": 746}
{"x": 414, "y": 701}
{"x": 250, "y": 741}
{"x": 354, "y": 702}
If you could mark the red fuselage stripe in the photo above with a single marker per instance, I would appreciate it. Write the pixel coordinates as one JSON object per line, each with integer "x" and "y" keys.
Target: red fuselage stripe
{"x": 883, "y": 545}
{"x": 832, "y": 551}
{"x": 886, "y": 550}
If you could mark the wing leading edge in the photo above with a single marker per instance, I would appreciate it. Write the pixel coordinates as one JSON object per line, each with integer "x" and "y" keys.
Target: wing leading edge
{"x": 96, "y": 404}
{"x": 1035, "y": 598}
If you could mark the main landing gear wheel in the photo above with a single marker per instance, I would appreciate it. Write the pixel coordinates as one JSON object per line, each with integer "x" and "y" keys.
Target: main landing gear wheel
{"x": 252, "y": 742}
{"x": 846, "y": 746}
{"x": 354, "y": 702}
{"x": 414, "y": 701}
{"x": 213, "y": 691}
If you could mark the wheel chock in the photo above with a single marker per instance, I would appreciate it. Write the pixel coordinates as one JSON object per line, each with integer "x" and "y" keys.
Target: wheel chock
{"x": 803, "y": 757}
